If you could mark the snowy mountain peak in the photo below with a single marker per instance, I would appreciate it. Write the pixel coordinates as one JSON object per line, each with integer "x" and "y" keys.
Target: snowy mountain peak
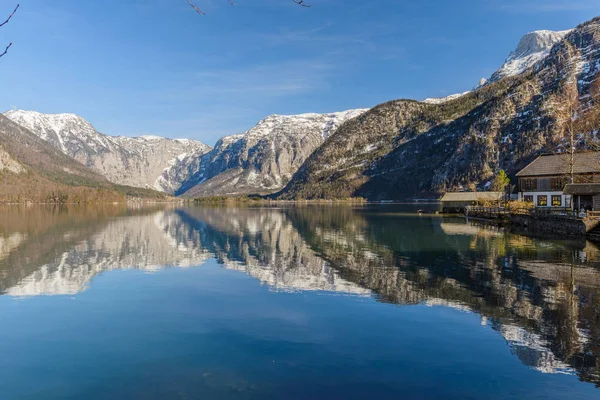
{"x": 53, "y": 122}
{"x": 537, "y": 41}
{"x": 51, "y": 127}
{"x": 532, "y": 48}
{"x": 302, "y": 123}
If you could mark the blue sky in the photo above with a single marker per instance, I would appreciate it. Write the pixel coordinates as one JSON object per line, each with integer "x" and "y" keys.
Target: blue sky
{"x": 134, "y": 67}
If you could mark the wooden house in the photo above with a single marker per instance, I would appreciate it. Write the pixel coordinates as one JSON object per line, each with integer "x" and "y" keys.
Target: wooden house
{"x": 459, "y": 201}
{"x": 546, "y": 181}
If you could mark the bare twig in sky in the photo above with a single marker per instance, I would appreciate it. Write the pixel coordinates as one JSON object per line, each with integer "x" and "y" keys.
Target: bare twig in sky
{"x": 11, "y": 15}
{"x": 199, "y": 11}
{"x": 6, "y": 49}
{"x": 301, "y": 2}
{"x": 6, "y": 22}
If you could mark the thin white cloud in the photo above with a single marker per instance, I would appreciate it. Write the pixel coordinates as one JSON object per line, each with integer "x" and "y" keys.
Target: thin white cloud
{"x": 262, "y": 82}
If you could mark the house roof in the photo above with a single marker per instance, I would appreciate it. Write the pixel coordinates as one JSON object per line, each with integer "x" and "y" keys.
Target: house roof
{"x": 472, "y": 196}
{"x": 582, "y": 189}
{"x": 559, "y": 164}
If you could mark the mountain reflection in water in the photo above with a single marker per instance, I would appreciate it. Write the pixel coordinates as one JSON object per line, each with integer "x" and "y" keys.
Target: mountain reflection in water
{"x": 542, "y": 296}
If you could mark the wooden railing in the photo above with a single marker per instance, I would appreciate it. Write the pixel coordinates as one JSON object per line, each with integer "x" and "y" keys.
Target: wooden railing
{"x": 486, "y": 212}
{"x": 552, "y": 213}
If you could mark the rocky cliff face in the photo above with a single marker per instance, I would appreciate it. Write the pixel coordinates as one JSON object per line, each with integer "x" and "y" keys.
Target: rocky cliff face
{"x": 8, "y": 163}
{"x": 415, "y": 148}
{"x": 138, "y": 162}
{"x": 263, "y": 159}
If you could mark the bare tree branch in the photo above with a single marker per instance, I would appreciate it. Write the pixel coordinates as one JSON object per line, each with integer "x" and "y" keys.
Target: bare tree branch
{"x": 4, "y": 23}
{"x": 199, "y": 11}
{"x": 301, "y": 2}
{"x": 6, "y": 49}
{"x": 10, "y": 16}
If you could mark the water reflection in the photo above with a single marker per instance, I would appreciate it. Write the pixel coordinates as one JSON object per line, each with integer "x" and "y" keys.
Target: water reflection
{"x": 541, "y": 295}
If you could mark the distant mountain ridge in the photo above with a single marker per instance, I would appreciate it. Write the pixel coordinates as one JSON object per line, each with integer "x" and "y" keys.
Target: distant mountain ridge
{"x": 264, "y": 158}
{"x": 261, "y": 160}
{"x": 32, "y": 170}
{"x": 138, "y": 162}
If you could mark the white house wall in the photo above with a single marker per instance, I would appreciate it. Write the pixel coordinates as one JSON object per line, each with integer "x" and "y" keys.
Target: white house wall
{"x": 565, "y": 199}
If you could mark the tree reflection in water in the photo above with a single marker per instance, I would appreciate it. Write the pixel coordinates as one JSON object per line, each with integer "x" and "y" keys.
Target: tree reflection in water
{"x": 541, "y": 295}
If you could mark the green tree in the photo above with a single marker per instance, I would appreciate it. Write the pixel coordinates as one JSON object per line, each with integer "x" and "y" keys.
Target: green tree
{"x": 501, "y": 181}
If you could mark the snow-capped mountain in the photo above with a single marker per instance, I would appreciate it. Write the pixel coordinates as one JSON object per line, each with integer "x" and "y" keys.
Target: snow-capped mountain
{"x": 532, "y": 48}
{"x": 123, "y": 160}
{"x": 264, "y": 158}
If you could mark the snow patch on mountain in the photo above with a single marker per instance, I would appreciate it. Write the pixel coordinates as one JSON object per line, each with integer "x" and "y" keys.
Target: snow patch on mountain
{"x": 440, "y": 100}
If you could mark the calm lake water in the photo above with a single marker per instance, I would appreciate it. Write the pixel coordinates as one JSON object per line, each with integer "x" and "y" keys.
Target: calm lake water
{"x": 295, "y": 303}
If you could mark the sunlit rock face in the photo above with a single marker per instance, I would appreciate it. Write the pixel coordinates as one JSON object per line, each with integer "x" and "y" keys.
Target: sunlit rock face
{"x": 264, "y": 158}
{"x": 8, "y": 163}
{"x": 146, "y": 161}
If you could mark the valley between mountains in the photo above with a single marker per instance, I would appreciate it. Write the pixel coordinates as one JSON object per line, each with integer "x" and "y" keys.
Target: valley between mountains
{"x": 397, "y": 150}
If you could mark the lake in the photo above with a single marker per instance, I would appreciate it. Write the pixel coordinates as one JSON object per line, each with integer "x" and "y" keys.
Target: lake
{"x": 312, "y": 302}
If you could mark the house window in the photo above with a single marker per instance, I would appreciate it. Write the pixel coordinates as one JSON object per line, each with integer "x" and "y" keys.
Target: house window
{"x": 530, "y": 184}
{"x": 556, "y": 201}
{"x": 558, "y": 183}
{"x": 528, "y": 199}
{"x": 542, "y": 201}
